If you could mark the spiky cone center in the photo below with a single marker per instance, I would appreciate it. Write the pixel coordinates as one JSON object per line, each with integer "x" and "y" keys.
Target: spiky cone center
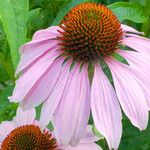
{"x": 29, "y": 137}
{"x": 90, "y": 31}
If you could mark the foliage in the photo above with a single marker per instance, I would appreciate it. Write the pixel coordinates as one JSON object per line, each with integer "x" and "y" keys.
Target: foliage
{"x": 19, "y": 19}
{"x": 130, "y": 11}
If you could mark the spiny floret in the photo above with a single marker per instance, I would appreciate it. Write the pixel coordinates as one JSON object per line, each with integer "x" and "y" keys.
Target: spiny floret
{"x": 90, "y": 31}
{"x": 29, "y": 137}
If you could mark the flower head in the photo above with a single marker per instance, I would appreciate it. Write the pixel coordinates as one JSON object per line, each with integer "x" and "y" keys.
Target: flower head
{"x": 90, "y": 31}
{"x": 55, "y": 66}
{"x": 24, "y": 133}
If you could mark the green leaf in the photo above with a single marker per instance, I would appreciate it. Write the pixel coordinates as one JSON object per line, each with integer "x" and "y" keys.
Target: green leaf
{"x": 14, "y": 14}
{"x": 65, "y": 8}
{"x": 32, "y": 13}
{"x": 7, "y": 109}
{"x": 5, "y": 57}
{"x": 146, "y": 26}
{"x": 128, "y": 11}
{"x": 44, "y": 13}
{"x": 133, "y": 139}
{"x": 3, "y": 74}
{"x": 142, "y": 2}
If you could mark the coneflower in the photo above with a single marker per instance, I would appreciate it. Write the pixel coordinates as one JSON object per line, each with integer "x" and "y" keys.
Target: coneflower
{"x": 55, "y": 66}
{"x": 25, "y": 133}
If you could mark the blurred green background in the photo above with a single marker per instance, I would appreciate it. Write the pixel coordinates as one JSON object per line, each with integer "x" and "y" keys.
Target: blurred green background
{"x": 19, "y": 19}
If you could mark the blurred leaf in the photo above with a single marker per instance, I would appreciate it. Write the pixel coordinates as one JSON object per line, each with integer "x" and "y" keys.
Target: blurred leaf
{"x": 3, "y": 74}
{"x": 66, "y": 7}
{"x": 133, "y": 139}
{"x": 32, "y": 13}
{"x": 13, "y": 15}
{"x": 7, "y": 109}
{"x": 129, "y": 11}
{"x": 3, "y": 41}
{"x": 45, "y": 14}
{"x": 112, "y": 1}
{"x": 5, "y": 58}
{"x": 146, "y": 25}
{"x": 142, "y": 2}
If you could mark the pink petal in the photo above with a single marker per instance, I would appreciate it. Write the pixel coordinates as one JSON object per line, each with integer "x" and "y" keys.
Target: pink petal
{"x": 137, "y": 60}
{"x": 86, "y": 143}
{"x": 72, "y": 114}
{"x": 133, "y": 35}
{"x": 141, "y": 69}
{"x": 31, "y": 76}
{"x": 126, "y": 28}
{"x": 24, "y": 117}
{"x": 130, "y": 94}
{"x": 55, "y": 95}
{"x": 43, "y": 41}
{"x": 87, "y": 146}
{"x": 105, "y": 108}
{"x": 5, "y": 128}
{"x": 33, "y": 51}
{"x": 144, "y": 82}
{"x": 49, "y": 33}
{"x": 43, "y": 87}
{"x": 89, "y": 136}
{"x": 139, "y": 44}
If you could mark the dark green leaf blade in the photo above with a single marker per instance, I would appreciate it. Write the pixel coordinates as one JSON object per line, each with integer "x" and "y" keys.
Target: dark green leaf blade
{"x": 13, "y": 15}
{"x": 128, "y": 11}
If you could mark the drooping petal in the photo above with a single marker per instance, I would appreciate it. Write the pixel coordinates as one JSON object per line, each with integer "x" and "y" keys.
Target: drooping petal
{"x": 105, "y": 108}
{"x": 137, "y": 60}
{"x": 139, "y": 44}
{"x": 31, "y": 76}
{"x": 87, "y": 146}
{"x": 24, "y": 117}
{"x": 5, "y": 128}
{"x": 144, "y": 82}
{"x": 43, "y": 87}
{"x": 56, "y": 93}
{"x": 36, "y": 51}
{"x": 126, "y": 28}
{"x": 89, "y": 136}
{"x": 130, "y": 94}
{"x": 133, "y": 35}
{"x": 86, "y": 143}
{"x": 72, "y": 114}
{"x": 140, "y": 70}
{"x": 49, "y": 33}
{"x": 42, "y": 42}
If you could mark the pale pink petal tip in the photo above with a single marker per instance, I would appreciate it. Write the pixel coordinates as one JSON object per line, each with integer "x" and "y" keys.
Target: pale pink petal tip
{"x": 89, "y": 136}
{"x": 43, "y": 41}
{"x": 126, "y": 28}
{"x": 105, "y": 108}
{"x": 49, "y": 33}
{"x": 139, "y": 44}
{"x": 46, "y": 83}
{"x": 28, "y": 81}
{"x": 24, "y": 117}
{"x": 87, "y": 146}
{"x": 86, "y": 143}
{"x": 130, "y": 94}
